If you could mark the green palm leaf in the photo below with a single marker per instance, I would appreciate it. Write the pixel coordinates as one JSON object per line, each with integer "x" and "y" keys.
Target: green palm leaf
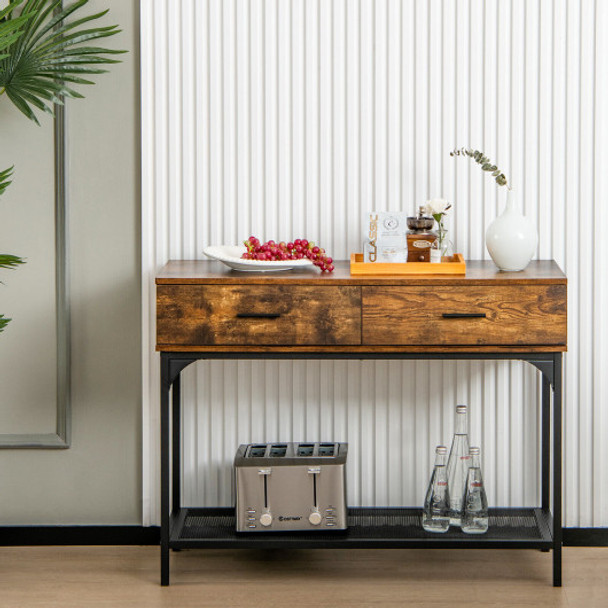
{"x": 6, "y": 259}
{"x": 46, "y": 55}
{"x": 10, "y": 29}
{"x": 3, "y": 322}
{"x": 5, "y": 179}
{"x": 10, "y": 261}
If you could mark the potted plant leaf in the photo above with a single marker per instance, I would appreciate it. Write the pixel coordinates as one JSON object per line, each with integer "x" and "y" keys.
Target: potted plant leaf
{"x": 45, "y": 49}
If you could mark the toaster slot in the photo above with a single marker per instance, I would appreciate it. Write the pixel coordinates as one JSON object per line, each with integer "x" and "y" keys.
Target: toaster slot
{"x": 256, "y": 451}
{"x": 278, "y": 450}
{"x": 327, "y": 449}
{"x": 306, "y": 449}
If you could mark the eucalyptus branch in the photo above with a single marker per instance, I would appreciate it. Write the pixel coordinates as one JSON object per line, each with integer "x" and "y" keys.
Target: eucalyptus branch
{"x": 486, "y": 165}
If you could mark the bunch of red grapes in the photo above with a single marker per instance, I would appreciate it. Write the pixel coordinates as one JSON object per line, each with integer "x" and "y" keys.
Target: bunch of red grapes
{"x": 298, "y": 250}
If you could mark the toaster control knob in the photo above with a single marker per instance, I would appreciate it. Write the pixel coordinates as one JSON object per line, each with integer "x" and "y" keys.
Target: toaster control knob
{"x": 315, "y": 518}
{"x": 266, "y": 519}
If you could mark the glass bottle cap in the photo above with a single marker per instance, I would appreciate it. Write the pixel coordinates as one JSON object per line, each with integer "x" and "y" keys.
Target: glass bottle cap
{"x": 474, "y": 451}
{"x": 441, "y": 450}
{"x": 461, "y": 409}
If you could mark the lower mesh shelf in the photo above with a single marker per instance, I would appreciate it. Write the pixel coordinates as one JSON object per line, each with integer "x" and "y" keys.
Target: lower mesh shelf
{"x": 368, "y": 527}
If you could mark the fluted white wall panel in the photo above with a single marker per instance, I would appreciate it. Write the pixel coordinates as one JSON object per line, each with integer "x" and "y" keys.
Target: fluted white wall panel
{"x": 287, "y": 118}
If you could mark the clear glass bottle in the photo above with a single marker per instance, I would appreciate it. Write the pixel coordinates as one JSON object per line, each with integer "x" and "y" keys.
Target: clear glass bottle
{"x": 458, "y": 464}
{"x": 436, "y": 512}
{"x": 475, "y": 502}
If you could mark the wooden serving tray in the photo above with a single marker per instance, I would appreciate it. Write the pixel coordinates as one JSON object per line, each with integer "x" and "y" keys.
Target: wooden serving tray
{"x": 450, "y": 265}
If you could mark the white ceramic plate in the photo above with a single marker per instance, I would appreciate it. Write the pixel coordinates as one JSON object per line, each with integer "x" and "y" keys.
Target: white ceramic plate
{"x": 231, "y": 256}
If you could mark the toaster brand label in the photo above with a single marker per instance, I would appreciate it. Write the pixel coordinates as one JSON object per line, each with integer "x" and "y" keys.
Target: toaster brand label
{"x": 290, "y": 517}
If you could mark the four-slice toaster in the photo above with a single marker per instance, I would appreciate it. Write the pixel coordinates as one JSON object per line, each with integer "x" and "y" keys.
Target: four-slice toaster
{"x": 290, "y": 486}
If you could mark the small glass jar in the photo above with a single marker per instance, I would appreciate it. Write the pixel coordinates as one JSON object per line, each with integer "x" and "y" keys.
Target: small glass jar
{"x": 442, "y": 247}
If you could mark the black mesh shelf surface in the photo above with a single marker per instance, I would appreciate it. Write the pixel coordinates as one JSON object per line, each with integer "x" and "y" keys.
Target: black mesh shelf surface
{"x": 368, "y": 528}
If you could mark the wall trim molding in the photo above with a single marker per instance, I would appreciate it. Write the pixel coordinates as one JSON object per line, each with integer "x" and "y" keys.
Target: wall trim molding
{"x": 61, "y": 438}
{"x": 14, "y": 536}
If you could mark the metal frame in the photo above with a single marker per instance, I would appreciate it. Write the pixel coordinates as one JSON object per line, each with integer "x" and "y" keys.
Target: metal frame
{"x": 549, "y": 365}
{"x": 61, "y": 438}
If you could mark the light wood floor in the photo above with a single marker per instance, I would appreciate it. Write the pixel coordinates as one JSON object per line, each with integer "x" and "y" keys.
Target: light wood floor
{"x": 82, "y": 577}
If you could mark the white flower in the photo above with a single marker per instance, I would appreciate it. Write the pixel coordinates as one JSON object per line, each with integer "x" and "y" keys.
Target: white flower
{"x": 437, "y": 206}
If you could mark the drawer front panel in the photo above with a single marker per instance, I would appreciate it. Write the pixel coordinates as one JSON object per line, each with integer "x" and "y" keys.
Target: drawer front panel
{"x": 272, "y": 315}
{"x": 463, "y": 316}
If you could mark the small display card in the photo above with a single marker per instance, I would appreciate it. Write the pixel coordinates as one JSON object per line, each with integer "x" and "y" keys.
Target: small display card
{"x": 385, "y": 237}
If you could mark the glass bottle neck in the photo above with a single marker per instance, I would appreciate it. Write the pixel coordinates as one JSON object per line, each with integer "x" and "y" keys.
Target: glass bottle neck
{"x": 475, "y": 462}
{"x": 440, "y": 460}
{"x": 461, "y": 424}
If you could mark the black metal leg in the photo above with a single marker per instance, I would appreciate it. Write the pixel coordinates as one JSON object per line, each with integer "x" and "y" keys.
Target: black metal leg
{"x": 557, "y": 470}
{"x": 545, "y": 443}
{"x": 164, "y": 469}
{"x": 176, "y": 445}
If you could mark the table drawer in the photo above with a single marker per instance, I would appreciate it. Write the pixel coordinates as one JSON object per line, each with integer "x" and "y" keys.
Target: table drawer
{"x": 463, "y": 316}
{"x": 202, "y": 315}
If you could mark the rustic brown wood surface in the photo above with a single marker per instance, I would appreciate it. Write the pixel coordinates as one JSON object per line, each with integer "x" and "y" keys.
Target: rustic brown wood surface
{"x": 199, "y": 303}
{"x": 478, "y": 272}
{"x": 233, "y": 315}
{"x": 374, "y": 349}
{"x": 514, "y": 315}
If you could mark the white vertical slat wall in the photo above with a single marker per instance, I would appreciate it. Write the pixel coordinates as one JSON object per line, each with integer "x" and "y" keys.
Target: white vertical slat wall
{"x": 287, "y": 118}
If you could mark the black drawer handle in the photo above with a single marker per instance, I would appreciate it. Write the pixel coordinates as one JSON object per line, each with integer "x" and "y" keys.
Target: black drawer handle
{"x": 464, "y": 315}
{"x": 258, "y": 315}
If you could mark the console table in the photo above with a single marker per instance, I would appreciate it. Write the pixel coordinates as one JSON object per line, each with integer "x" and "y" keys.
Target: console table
{"x": 206, "y": 311}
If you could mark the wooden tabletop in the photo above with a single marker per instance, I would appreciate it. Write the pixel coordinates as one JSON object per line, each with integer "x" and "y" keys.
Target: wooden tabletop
{"x": 479, "y": 272}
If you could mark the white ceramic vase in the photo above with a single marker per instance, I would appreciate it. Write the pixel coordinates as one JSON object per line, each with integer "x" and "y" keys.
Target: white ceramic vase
{"x": 511, "y": 238}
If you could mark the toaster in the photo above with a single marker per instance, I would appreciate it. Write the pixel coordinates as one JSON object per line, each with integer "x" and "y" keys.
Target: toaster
{"x": 290, "y": 486}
